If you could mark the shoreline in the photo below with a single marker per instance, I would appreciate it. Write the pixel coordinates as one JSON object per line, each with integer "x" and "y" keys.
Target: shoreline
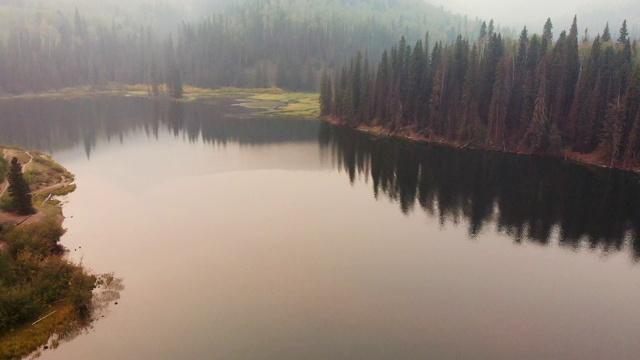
{"x": 265, "y": 101}
{"x": 586, "y": 160}
{"x": 42, "y": 321}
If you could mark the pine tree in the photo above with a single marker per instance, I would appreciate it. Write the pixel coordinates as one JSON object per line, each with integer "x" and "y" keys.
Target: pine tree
{"x": 588, "y": 122}
{"x": 572, "y": 72}
{"x": 417, "y": 72}
{"x": 174, "y": 82}
{"x": 356, "y": 82}
{"x": 500, "y": 102}
{"x": 547, "y": 32}
{"x": 536, "y": 133}
{"x": 490, "y": 28}
{"x": 624, "y": 33}
{"x": 606, "y": 34}
{"x": 633, "y": 144}
{"x": 483, "y": 30}
{"x": 325, "y": 94}
{"x": 611, "y": 137}
{"x": 19, "y": 190}
{"x": 382, "y": 89}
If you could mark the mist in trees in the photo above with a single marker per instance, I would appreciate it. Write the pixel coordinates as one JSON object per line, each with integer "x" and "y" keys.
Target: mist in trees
{"x": 249, "y": 44}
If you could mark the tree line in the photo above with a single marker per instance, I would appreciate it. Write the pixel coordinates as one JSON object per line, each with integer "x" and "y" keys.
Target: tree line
{"x": 252, "y": 44}
{"x": 535, "y": 94}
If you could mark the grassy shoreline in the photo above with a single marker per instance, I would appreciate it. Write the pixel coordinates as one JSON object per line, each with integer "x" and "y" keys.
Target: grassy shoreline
{"x": 44, "y": 297}
{"x": 277, "y": 102}
{"x": 265, "y": 101}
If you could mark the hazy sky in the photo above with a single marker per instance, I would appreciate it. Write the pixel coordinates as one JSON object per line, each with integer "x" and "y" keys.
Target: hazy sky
{"x": 533, "y": 13}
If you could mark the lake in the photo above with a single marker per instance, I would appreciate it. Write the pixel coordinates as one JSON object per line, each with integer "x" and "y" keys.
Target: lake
{"x": 241, "y": 237}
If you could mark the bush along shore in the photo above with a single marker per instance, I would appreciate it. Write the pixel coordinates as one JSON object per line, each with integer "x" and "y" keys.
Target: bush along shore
{"x": 44, "y": 297}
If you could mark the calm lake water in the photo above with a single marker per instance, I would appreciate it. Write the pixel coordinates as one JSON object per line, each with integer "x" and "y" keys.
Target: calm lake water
{"x": 251, "y": 238}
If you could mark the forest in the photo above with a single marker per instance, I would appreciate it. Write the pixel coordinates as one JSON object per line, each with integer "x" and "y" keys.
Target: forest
{"x": 570, "y": 96}
{"x": 476, "y": 86}
{"x": 251, "y": 43}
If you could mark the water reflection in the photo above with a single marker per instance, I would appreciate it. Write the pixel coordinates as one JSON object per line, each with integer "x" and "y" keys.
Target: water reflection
{"x": 526, "y": 197}
{"x": 530, "y": 199}
{"x": 53, "y": 125}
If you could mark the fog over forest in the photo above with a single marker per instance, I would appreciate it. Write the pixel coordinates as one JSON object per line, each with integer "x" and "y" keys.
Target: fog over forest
{"x": 592, "y": 14}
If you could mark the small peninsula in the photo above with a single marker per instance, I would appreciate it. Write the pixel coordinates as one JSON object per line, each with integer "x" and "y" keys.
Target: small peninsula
{"x": 44, "y": 297}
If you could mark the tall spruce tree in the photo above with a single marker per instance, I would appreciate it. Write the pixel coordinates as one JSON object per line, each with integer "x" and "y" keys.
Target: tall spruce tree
{"x": 606, "y": 34}
{"x": 19, "y": 190}
{"x": 547, "y": 32}
{"x": 537, "y": 131}
{"x": 624, "y": 33}
{"x": 611, "y": 137}
{"x": 633, "y": 144}
{"x": 174, "y": 82}
{"x": 325, "y": 94}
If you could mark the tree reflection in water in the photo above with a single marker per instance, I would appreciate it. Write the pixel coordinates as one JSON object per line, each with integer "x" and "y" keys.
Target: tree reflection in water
{"x": 526, "y": 197}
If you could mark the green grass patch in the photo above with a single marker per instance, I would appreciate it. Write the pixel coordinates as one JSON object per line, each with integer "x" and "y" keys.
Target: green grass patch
{"x": 274, "y": 101}
{"x": 290, "y": 104}
{"x": 28, "y": 338}
{"x": 4, "y": 167}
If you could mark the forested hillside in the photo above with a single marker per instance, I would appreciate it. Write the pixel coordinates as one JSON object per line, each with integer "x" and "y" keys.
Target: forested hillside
{"x": 536, "y": 94}
{"x": 250, "y": 43}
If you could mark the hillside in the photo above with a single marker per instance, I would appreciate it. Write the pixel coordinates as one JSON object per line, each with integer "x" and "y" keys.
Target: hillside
{"x": 247, "y": 43}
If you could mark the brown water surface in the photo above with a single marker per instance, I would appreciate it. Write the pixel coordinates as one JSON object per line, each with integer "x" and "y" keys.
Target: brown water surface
{"x": 248, "y": 238}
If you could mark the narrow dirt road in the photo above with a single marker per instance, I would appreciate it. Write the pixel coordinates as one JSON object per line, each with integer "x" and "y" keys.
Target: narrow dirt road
{"x": 5, "y": 184}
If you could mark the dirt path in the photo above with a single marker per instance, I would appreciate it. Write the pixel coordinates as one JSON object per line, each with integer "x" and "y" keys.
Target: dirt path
{"x": 62, "y": 184}
{"x": 8, "y": 218}
{"x": 25, "y": 166}
{"x": 4, "y": 186}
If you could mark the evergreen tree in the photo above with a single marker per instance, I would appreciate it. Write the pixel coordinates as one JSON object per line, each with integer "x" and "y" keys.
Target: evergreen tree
{"x": 356, "y": 81}
{"x": 624, "y": 33}
{"x": 483, "y": 30}
{"x": 325, "y": 94}
{"x": 500, "y": 103}
{"x": 490, "y": 28}
{"x": 606, "y": 34}
{"x": 417, "y": 73}
{"x": 174, "y": 82}
{"x": 611, "y": 137}
{"x": 633, "y": 144}
{"x": 382, "y": 88}
{"x": 547, "y": 32}
{"x": 566, "y": 92}
{"x": 536, "y": 133}
{"x": 19, "y": 190}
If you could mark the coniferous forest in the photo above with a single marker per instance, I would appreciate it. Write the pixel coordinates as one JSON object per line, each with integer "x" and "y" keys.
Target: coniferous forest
{"x": 466, "y": 82}
{"x": 538, "y": 94}
{"x": 252, "y": 43}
